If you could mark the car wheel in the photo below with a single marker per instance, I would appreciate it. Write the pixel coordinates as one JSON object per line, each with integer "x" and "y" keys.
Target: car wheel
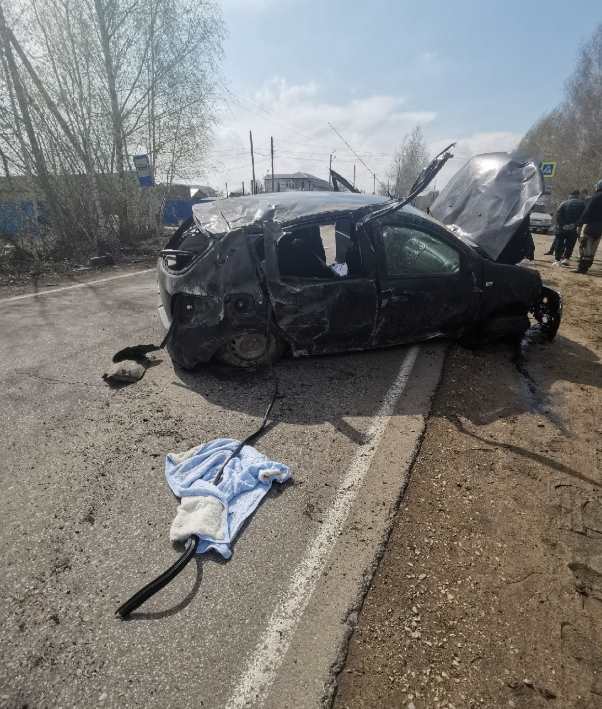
{"x": 251, "y": 349}
{"x": 548, "y": 312}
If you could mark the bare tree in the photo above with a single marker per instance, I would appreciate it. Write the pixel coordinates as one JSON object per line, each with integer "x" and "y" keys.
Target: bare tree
{"x": 571, "y": 134}
{"x": 84, "y": 84}
{"x": 584, "y": 101}
{"x": 33, "y": 158}
{"x": 409, "y": 161}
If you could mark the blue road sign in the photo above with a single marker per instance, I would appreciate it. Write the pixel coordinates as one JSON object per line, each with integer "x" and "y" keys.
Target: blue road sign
{"x": 548, "y": 168}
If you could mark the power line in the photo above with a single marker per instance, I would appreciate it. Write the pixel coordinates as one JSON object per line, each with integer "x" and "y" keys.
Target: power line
{"x": 260, "y": 108}
{"x": 356, "y": 155}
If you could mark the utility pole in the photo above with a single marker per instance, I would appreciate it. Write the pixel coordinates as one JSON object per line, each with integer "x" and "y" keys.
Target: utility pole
{"x": 243, "y": 188}
{"x": 354, "y": 174}
{"x": 253, "y": 185}
{"x": 272, "y": 154}
{"x": 374, "y": 183}
{"x": 226, "y": 190}
{"x": 329, "y": 171}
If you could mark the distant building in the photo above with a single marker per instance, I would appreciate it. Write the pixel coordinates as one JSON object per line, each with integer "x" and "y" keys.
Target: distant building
{"x": 204, "y": 192}
{"x": 295, "y": 181}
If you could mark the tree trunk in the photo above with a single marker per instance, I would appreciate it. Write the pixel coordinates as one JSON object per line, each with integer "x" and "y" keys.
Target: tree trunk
{"x": 43, "y": 177}
{"x": 116, "y": 118}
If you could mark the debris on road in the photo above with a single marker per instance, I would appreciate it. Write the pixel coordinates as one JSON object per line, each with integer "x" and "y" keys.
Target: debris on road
{"x": 219, "y": 484}
{"x": 219, "y": 511}
{"x": 130, "y": 363}
{"x": 125, "y": 372}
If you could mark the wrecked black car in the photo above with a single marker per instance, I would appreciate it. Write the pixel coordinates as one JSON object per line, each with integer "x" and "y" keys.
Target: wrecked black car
{"x": 250, "y": 278}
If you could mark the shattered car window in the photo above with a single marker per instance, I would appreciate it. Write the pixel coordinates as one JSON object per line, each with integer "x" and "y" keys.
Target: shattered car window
{"x": 192, "y": 239}
{"x": 187, "y": 243}
{"x": 324, "y": 251}
{"x": 410, "y": 251}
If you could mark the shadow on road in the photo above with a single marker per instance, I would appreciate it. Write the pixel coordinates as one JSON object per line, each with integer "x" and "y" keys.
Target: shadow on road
{"x": 187, "y": 600}
{"x": 334, "y": 388}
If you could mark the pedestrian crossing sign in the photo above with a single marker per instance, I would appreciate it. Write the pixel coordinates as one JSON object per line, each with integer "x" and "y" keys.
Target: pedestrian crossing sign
{"x": 548, "y": 168}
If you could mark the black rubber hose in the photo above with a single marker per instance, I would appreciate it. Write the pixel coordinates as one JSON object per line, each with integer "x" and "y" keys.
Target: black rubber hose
{"x": 139, "y": 352}
{"x": 161, "y": 581}
{"x": 253, "y": 436}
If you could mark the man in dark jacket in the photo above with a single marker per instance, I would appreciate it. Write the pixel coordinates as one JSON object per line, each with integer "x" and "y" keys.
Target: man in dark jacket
{"x": 568, "y": 220}
{"x": 591, "y": 230}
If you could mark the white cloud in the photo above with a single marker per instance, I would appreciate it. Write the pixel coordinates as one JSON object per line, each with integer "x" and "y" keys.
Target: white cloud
{"x": 297, "y": 116}
{"x": 500, "y": 141}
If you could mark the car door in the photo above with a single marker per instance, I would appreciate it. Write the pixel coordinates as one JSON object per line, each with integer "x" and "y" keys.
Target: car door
{"x": 323, "y": 297}
{"x": 427, "y": 284}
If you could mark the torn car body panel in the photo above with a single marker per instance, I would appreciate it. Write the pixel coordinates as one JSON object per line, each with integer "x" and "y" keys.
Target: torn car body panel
{"x": 313, "y": 312}
{"x": 325, "y": 272}
{"x": 212, "y": 297}
{"x": 488, "y": 199}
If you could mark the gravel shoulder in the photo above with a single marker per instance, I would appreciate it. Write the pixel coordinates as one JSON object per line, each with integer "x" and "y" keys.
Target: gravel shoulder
{"x": 489, "y": 593}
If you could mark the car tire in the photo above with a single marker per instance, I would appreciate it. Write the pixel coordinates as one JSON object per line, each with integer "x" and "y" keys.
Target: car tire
{"x": 252, "y": 349}
{"x": 548, "y": 312}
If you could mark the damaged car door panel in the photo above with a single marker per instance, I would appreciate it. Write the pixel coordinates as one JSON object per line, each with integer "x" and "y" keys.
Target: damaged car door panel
{"x": 426, "y": 282}
{"x": 324, "y": 296}
{"x": 330, "y": 272}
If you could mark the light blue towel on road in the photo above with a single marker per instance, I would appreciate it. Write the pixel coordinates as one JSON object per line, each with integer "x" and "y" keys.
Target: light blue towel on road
{"x": 216, "y": 513}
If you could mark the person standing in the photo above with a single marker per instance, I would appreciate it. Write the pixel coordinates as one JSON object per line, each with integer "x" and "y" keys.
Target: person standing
{"x": 568, "y": 219}
{"x": 591, "y": 230}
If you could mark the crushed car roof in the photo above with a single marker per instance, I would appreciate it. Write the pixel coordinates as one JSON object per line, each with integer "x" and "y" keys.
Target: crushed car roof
{"x": 223, "y": 215}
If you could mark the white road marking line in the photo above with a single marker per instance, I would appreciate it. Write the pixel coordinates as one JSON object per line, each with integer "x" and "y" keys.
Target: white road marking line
{"x": 269, "y": 652}
{"x": 76, "y": 285}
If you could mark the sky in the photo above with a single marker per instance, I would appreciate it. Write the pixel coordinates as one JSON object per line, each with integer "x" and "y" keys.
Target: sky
{"x": 475, "y": 72}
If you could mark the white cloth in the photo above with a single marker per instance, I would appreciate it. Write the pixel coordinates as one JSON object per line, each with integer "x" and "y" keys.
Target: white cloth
{"x": 216, "y": 513}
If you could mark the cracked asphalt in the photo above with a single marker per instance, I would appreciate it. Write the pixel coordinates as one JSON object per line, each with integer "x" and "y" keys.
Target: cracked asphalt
{"x": 86, "y": 510}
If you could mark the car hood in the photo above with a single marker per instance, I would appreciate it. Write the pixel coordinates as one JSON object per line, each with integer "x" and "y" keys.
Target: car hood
{"x": 485, "y": 202}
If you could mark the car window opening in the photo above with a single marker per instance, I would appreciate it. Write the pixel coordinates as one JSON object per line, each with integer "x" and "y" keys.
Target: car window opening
{"x": 320, "y": 251}
{"x": 410, "y": 251}
{"x": 185, "y": 245}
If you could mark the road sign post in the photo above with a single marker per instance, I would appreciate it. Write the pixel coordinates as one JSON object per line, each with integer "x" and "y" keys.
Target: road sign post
{"x": 143, "y": 170}
{"x": 548, "y": 168}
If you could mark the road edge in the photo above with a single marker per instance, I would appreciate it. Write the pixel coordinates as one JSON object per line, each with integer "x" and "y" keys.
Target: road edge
{"x": 313, "y": 659}
{"x": 352, "y": 619}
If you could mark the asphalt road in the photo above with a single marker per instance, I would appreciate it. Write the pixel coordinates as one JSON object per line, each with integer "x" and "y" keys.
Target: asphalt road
{"x": 85, "y": 511}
